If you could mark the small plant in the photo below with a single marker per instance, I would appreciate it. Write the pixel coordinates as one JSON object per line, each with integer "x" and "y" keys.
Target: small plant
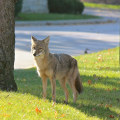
{"x": 18, "y": 7}
{"x": 65, "y": 6}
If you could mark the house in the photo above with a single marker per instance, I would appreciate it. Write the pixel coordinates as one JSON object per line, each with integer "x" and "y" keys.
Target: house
{"x": 35, "y": 6}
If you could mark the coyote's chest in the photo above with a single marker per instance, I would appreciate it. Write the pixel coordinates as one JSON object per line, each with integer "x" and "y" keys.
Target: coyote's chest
{"x": 44, "y": 69}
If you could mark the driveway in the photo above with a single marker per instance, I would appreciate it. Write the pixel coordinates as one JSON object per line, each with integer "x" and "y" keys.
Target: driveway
{"x": 72, "y": 39}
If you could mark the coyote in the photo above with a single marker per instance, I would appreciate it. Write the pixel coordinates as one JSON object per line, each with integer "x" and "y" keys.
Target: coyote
{"x": 60, "y": 67}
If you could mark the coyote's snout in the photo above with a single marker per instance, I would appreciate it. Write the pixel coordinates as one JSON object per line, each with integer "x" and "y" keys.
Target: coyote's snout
{"x": 60, "y": 67}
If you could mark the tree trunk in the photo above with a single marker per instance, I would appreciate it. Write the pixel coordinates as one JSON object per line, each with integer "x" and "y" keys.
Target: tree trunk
{"x": 7, "y": 45}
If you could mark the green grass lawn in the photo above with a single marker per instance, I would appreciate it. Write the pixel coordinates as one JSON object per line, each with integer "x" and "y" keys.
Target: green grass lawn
{"x": 38, "y": 16}
{"x": 100, "y": 99}
{"x": 103, "y": 6}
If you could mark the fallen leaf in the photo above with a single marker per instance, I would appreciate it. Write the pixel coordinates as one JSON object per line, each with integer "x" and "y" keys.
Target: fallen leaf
{"x": 9, "y": 103}
{"x": 6, "y": 115}
{"x": 109, "y": 50}
{"x": 110, "y": 105}
{"x": 100, "y": 58}
{"x": 108, "y": 89}
{"x": 53, "y": 104}
{"x": 93, "y": 109}
{"x": 101, "y": 104}
{"x": 107, "y": 106}
{"x": 107, "y": 68}
{"x": 114, "y": 89}
{"x": 111, "y": 116}
{"x": 56, "y": 114}
{"x": 62, "y": 115}
{"x": 89, "y": 82}
{"x": 37, "y": 110}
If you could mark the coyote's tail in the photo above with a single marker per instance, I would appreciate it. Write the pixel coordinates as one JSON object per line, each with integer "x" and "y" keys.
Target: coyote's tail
{"x": 78, "y": 84}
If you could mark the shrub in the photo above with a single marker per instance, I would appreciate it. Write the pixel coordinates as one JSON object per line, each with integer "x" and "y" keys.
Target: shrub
{"x": 18, "y": 7}
{"x": 65, "y": 6}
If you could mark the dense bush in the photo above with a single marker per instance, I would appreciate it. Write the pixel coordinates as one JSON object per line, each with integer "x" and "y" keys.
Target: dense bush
{"x": 65, "y": 6}
{"x": 18, "y": 7}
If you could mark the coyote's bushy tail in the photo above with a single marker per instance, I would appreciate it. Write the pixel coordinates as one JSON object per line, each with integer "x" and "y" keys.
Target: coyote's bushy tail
{"x": 78, "y": 84}
{"x": 76, "y": 76}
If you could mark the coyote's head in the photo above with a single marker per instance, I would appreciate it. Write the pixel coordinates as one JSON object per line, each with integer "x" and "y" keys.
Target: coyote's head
{"x": 39, "y": 47}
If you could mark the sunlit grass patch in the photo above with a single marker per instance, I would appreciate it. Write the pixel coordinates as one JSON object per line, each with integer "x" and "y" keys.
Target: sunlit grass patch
{"x": 103, "y": 6}
{"x": 100, "y": 100}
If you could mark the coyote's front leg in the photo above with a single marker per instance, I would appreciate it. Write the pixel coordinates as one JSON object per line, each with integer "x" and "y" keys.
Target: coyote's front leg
{"x": 44, "y": 83}
{"x": 53, "y": 86}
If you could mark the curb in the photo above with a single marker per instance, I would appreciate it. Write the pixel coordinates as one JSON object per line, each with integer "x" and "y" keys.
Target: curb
{"x": 64, "y": 22}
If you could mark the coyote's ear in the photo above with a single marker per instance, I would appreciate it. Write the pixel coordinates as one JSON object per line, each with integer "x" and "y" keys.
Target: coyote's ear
{"x": 33, "y": 39}
{"x": 46, "y": 40}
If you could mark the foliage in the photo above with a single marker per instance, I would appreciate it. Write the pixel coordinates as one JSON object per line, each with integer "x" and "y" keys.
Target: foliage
{"x": 65, "y": 6}
{"x": 100, "y": 99}
{"x": 18, "y": 7}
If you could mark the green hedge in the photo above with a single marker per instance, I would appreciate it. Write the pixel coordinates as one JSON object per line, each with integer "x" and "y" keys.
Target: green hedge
{"x": 65, "y": 6}
{"x": 18, "y": 7}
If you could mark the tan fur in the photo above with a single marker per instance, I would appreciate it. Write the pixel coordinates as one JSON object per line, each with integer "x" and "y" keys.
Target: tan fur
{"x": 60, "y": 67}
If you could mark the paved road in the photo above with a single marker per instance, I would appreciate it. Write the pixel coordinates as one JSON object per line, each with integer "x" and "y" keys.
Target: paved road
{"x": 72, "y": 39}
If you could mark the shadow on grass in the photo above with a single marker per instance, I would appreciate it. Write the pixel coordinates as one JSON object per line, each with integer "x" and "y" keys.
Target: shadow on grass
{"x": 92, "y": 101}
{"x": 115, "y": 69}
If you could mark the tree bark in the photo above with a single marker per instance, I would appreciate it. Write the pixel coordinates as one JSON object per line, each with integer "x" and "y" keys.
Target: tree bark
{"x": 7, "y": 45}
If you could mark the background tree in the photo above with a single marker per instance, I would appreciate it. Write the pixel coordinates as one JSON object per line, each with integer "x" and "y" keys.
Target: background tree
{"x": 7, "y": 45}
